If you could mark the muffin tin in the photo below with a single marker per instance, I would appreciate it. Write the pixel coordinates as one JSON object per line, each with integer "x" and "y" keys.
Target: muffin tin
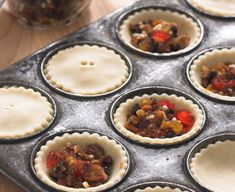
{"x": 159, "y": 164}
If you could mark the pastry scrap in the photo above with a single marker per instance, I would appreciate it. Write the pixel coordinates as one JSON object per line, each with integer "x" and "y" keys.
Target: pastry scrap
{"x": 219, "y": 78}
{"x": 23, "y": 112}
{"x": 158, "y": 36}
{"x": 77, "y": 167}
{"x": 158, "y": 119}
{"x": 81, "y": 162}
{"x": 214, "y": 168}
{"x": 86, "y": 70}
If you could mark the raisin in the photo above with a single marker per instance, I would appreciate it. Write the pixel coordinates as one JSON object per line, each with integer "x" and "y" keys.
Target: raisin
{"x": 170, "y": 134}
{"x": 211, "y": 75}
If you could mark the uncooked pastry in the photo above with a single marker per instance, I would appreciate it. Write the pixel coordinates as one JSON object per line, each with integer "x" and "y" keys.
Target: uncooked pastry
{"x": 214, "y": 166}
{"x": 185, "y": 24}
{"x": 110, "y": 146}
{"x": 159, "y": 189}
{"x": 209, "y": 59}
{"x": 23, "y": 112}
{"x": 224, "y": 8}
{"x": 86, "y": 70}
{"x": 120, "y": 117}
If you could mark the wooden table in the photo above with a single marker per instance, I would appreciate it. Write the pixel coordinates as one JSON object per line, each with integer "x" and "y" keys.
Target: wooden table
{"x": 18, "y": 41}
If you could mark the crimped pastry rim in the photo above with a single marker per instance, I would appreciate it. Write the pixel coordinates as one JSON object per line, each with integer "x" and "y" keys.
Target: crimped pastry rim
{"x": 198, "y": 155}
{"x": 209, "y": 11}
{"x": 197, "y": 26}
{"x": 118, "y": 114}
{"x": 125, "y": 77}
{"x": 38, "y": 162}
{"x": 44, "y": 124}
{"x": 197, "y": 62}
{"x": 153, "y": 189}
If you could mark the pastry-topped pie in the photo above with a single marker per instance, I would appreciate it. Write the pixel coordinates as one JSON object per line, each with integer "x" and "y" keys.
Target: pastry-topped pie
{"x": 223, "y": 8}
{"x": 214, "y": 167}
{"x": 86, "y": 70}
{"x": 23, "y": 112}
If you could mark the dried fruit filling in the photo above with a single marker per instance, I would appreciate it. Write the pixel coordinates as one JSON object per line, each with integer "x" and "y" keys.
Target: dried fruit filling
{"x": 220, "y": 78}
{"x": 157, "y": 36}
{"x": 75, "y": 167}
{"x": 158, "y": 119}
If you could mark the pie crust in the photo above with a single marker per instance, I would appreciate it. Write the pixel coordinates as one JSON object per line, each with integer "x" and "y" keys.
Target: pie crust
{"x": 223, "y": 8}
{"x": 180, "y": 103}
{"x": 185, "y": 25}
{"x": 210, "y": 58}
{"x": 23, "y": 112}
{"x": 214, "y": 168}
{"x": 110, "y": 146}
{"x": 86, "y": 70}
{"x": 159, "y": 189}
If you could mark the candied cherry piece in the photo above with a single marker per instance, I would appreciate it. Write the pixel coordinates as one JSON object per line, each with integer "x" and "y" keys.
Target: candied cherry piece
{"x": 160, "y": 36}
{"x": 167, "y": 103}
{"x": 186, "y": 128}
{"x": 79, "y": 165}
{"x": 52, "y": 160}
{"x": 218, "y": 84}
{"x": 231, "y": 83}
{"x": 185, "y": 117}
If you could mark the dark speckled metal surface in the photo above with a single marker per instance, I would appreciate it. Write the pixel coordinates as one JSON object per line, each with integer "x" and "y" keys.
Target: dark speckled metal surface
{"x": 149, "y": 164}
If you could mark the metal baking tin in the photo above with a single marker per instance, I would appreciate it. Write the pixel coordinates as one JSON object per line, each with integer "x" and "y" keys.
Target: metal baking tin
{"x": 150, "y": 91}
{"x": 43, "y": 93}
{"x": 149, "y": 164}
{"x": 100, "y": 44}
{"x": 81, "y": 130}
{"x": 209, "y": 14}
{"x": 123, "y": 17}
{"x": 153, "y": 184}
{"x": 201, "y": 145}
{"x": 187, "y": 73}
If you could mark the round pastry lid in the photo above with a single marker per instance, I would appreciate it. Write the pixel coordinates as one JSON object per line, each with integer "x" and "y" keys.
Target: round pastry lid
{"x": 86, "y": 69}
{"x": 54, "y": 142}
{"x": 220, "y": 8}
{"x": 209, "y": 58}
{"x": 187, "y": 24}
{"x": 158, "y": 186}
{"x": 25, "y": 111}
{"x": 210, "y": 163}
{"x": 120, "y": 108}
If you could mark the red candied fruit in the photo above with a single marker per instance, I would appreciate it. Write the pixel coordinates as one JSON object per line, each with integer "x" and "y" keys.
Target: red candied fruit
{"x": 52, "y": 160}
{"x": 231, "y": 83}
{"x": 160, "y": 36}
{"x": 79, "y": 165}
{"x": 167, "y": 103}
{"x": 218, "y": 84}
{"x": 186, "y": 118}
